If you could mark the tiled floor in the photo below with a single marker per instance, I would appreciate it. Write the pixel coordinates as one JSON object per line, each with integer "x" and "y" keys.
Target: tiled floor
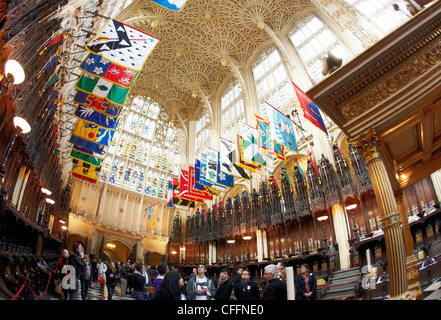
{"x": 432, "y": 291}
{"x": 97, "y": 293}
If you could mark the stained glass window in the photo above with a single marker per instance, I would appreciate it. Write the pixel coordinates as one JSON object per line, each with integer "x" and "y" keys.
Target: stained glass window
{"x": 112, "y": 146}
{"x": 133, "y": 148}
{"x": 161, "y": 186}
{"x": 155, "y": 181}
{"x": 153, "y": 157}
{"x": 136, "y": 160}
{"x": 105, "y": 168}
{"x": 127, "y": 175}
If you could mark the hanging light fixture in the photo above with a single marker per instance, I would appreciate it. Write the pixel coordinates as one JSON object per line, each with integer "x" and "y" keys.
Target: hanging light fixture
{"x": 46, "y": 191}
{"x": 13, "y": 68}
{"x": 14, "y": 73}
{"x": 22, "y": 125}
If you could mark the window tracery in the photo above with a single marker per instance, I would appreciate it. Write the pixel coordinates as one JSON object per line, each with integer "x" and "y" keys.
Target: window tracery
{"x": 140, "y": 158}
{"x": 313, "y": 39}
{"x": 382, "y": 13}
{"x": 232, "y": 108}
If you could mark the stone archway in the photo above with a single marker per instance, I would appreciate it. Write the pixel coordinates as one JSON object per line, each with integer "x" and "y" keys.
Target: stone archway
{"x": 154, "y": 258}
{"x": 117, "y": 250}
{"x": 75, "y": 238}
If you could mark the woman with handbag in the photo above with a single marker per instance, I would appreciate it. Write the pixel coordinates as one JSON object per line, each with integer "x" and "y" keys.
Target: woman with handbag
{"x": 102, "y": 268}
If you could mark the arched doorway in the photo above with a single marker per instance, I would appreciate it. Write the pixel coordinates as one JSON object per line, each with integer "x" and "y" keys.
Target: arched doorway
{"x": 116, "y": 251}
{"x": 75, "y": 238}
{"x": 154, "y": 258}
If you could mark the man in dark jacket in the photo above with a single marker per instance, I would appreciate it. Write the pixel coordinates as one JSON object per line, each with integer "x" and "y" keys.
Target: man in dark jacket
{"x": 76, "y": 260}
{"x": 86, "y": 276}
{"x": 138, "y": 282}
{"x": 306, "y": 284}
{"x": 276, "y": 288}
{"x": 246, "y": 289}
{"x": 224, "y": 286}
{"x": 124, "y": 274}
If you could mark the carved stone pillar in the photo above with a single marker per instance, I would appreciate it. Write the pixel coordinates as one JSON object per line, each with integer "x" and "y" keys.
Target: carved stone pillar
{"x": 436, "y": 180}
{"x": 413, "y": 283}
{"x": 341, "y": 235}
{"x": 369, "y": 146}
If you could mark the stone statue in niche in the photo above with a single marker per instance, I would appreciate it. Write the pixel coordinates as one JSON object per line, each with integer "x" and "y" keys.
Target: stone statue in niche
{"x": 330, "y": 63}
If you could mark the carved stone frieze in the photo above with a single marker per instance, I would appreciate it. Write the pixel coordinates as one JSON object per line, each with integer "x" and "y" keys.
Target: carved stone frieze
{"x": 393, "y": 83}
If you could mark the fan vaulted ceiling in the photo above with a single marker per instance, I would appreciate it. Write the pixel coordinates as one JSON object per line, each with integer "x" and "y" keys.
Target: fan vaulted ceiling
{"x": 193, "y": 41}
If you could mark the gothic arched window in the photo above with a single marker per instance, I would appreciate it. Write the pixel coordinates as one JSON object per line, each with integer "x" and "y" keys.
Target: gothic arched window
{"x": 233, "y": 111}
{"x": 144, "y": 149}
{"x": 273, "y": 84}
{"x": 382, "y": 13}
{"x": 313, "y": 39}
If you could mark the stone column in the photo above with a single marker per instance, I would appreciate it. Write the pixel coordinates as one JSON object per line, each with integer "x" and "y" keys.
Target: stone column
{"x": 436, "y": 180}
{"x": 341, "y": 235}
{"x": 369, "y": 146}
{"x": 413, "y": 284}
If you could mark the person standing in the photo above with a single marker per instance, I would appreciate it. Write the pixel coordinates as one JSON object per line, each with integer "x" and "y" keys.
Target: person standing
{"x": 171, "y": 287}
{"x": 306, "y": 284}
{"x": 124, "y": 274}
{"x": 86, "y": 277}
{"x": 138, "y": 282}
{"x": 102, "y": 268}
{"x": 76, "y": 260}
{"x": 224, "y": 286}
{"x": 162, "y": 270}
{"x": 276, "y": 288}
{"x": 94, "y": 265}
{"x": 62, "y": 261}
{"x": 200, "y": 287}
{"x": 246, "y": 289}
{"x": 146, "y": 273}
{"x": 281, "y": 266}
{"x": 112, "y": 277}
{"x": 237, "y": 278}
{"x": 194, "y": 273}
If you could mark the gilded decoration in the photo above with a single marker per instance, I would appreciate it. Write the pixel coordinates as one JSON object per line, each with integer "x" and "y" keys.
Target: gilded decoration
{"x": 376, "y": 75}
{"x": 368, "y": 145}
{"x": 393, "y": 83}
{"x": 392, "y": 219}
